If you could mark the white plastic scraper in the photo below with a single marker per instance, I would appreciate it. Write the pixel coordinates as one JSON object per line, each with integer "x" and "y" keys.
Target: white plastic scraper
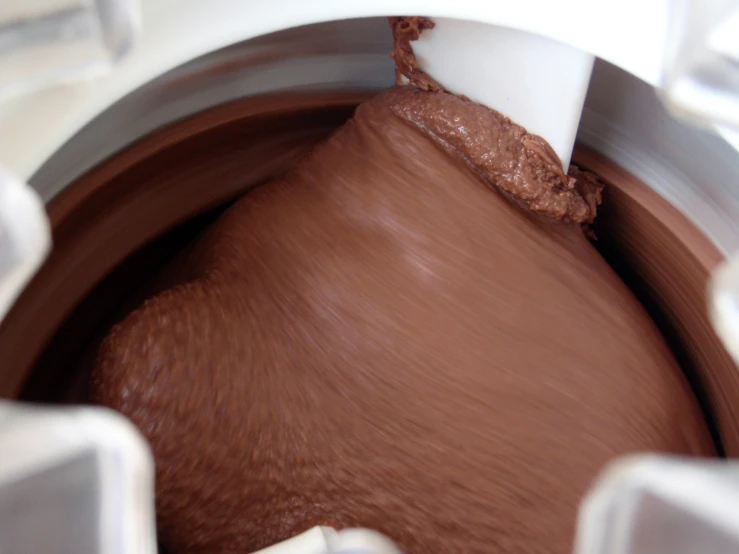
{"x": 537, "y": 82}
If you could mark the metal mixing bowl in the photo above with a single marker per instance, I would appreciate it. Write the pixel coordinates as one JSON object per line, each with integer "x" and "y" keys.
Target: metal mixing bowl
{"x": 623, "y": 121}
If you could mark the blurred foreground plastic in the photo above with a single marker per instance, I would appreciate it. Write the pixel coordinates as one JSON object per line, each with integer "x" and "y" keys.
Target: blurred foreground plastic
{"x": 700, "y": 77}
{"x": 25, "y": 237}
{"x": 74, "y": 480}
{"x": 723, "y": 304}
{"x": 662, "y": 505}
{"x": 325, "y": 540}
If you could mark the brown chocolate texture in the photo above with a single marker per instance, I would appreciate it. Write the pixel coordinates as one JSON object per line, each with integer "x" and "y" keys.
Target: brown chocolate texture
{"x": 382, "y": 339}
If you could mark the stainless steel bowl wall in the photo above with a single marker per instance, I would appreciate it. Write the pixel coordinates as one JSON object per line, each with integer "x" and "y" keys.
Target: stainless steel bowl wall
{"x": 623, "y": 119}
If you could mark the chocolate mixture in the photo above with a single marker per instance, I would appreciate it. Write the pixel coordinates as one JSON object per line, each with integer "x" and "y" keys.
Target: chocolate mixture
{"x": 408, "y": 332}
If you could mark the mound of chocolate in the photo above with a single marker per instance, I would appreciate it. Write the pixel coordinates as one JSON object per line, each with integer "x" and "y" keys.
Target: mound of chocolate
{"x": 409, "y": 332}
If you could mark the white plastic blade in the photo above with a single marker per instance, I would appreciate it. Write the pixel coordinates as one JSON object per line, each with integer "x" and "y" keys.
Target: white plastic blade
{"x": 537, "y": 82}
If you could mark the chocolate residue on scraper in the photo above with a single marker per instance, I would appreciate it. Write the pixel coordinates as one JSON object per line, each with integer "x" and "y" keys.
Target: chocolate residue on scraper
{"x": 520, "y": 164}
{"x": 380, "y": 339}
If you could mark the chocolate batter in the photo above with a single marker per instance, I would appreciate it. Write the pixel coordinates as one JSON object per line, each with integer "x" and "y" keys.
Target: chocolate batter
{"x": 408, "y": 332}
